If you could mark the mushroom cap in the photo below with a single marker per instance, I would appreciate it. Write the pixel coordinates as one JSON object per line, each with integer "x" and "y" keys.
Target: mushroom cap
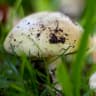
{"x": 44, "y": 34}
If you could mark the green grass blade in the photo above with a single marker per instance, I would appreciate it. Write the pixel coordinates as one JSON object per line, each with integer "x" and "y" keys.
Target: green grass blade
{"x": 79, "y": 62}
{"x": 64, "y": 79}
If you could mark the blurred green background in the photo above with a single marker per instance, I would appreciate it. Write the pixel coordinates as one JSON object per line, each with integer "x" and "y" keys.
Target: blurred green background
{"x": 33, "y": 5}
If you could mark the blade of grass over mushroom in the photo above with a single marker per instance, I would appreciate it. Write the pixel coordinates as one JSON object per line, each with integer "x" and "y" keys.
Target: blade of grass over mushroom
{"x": 22, "y": 67}
{"x": 25, "y": 63}
{"x": 32, "y": 72}
{"x": 81, "y": 55}
{"x": 64, "y": 79}
{"x": 58, "y": 56}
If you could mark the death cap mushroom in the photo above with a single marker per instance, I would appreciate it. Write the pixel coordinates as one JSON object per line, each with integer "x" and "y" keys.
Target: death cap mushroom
{"x": 44, "y": 34}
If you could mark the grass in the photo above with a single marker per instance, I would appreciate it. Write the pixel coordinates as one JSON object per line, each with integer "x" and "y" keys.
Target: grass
{"x": 19, "y": 77}
{"x": 79, "y": 62}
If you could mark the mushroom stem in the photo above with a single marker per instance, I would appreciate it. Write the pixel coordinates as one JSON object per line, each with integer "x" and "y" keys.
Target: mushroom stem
{"x": 52, "y": 69}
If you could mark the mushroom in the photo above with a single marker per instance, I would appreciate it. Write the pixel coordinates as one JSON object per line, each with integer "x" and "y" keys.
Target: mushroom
{"x": 44, "y": 35}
